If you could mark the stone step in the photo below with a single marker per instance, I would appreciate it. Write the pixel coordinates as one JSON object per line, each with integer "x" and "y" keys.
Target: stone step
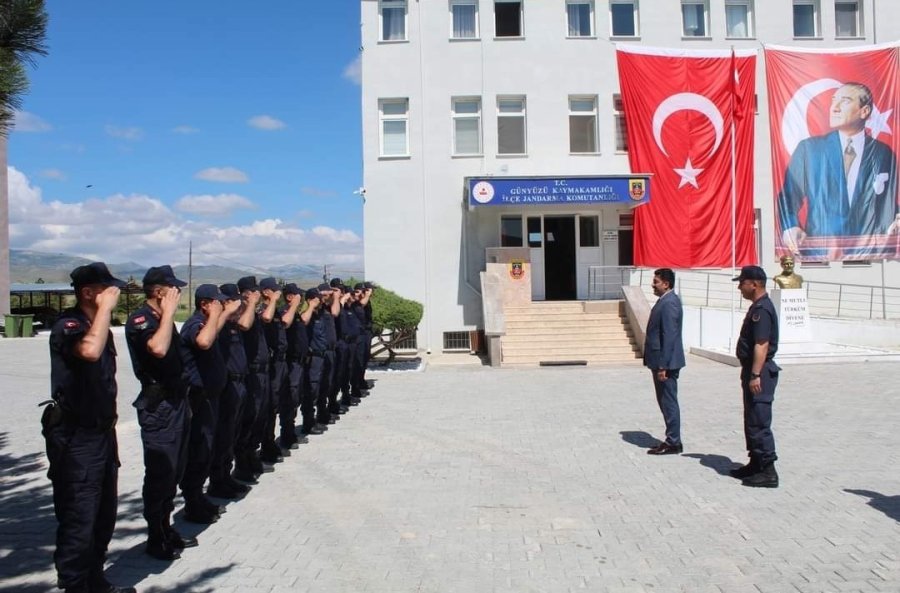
{"x": 588, "y": 334}
{"x": 510, "y": 350}
{"x": 544, "y": 317}
{"x": 535, "y": 360}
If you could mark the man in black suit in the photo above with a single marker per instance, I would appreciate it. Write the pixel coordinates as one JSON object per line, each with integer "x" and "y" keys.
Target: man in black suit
{"x": 664, "y": 356}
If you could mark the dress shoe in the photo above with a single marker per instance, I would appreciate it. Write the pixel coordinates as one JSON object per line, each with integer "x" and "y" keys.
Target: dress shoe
{"x": 161, "y": 549}
{"x": 354, "y": 401}
{"x": 322, "y": 426}
{"x": 334, "y": 419}
{"x": 235, "y": 485}
{"x": 271, "y": 458}
{"x": 245, "y": 475}
{"x": 767, "y": 477}
{"x": 221, "y": 490}
{"x": 665, "y": 449}
{"x": 212, "y": 507}
{"x": 313, "y": 430}
{"x": 98, "y": 583}
{"x": 745, "y": 471}
{"x": 200, "y": 516}
{"x": 344, "y": 409}
{"x": 180, "y": 542}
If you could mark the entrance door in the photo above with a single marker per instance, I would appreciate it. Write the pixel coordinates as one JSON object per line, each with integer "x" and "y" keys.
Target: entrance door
{"x": 559, "y": 258}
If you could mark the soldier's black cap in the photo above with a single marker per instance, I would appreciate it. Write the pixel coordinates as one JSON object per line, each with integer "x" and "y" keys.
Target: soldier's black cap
{"x": 312, "y": 293}
{"x": 162, "y": 275}
{"x": 336, "y": 282}
{"x": 269, "y": 283}
{"x": 324, "y": 287}
{"x": 94, "y": 273}
{"x": 247, "y": 283}
{"x": 292, "y": 288}
{"x": 209, "y": 292}
{"x": 230, "y": 291}
{"x": 360, "y": 286}
{"x": 369, "y": 285}
{"x": 751, "y": 273}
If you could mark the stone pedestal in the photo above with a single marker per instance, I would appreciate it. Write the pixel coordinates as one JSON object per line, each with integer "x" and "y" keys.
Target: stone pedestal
{"x": 793, "y": 315}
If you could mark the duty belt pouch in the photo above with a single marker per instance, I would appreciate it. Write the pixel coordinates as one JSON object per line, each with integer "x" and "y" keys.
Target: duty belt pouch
{"x": 51, "y": 417}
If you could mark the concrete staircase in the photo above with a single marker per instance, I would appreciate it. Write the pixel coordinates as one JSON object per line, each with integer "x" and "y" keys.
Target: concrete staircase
{"x": 595, "y": 332}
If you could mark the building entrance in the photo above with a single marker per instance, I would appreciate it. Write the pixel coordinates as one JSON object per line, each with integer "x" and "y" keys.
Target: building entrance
{"x": 559, "y": 258}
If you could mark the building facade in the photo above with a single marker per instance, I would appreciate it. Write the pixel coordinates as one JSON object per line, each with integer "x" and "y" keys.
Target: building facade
{"x": 455, "y": 90}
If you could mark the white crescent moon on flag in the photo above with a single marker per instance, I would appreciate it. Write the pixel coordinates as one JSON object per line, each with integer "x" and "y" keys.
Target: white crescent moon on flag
{"x": 793, "y": 120}
{"x": 682, "y": 102}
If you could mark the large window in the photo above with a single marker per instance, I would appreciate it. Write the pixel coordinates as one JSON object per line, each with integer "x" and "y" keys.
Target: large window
{"x": 583, "y": 124}
{"x": 739, "y": 19}
{"x": 588, "y": 231}
{"x": 580, "y": 15}
{"x": 394, "y": 116}
{"x": 846, "y": 19}
{"x": 623, "y": 18}
{"x": 806, "y": 18}
{"x": 510, "y": 231}
{"x": 464, "y": 15}
{"x": 621, "y": 130}
{"x": 393, "y": 20}
{"x": 466, "y": 125}
{"x": 694, "y": 18}
{"x": 511, "y": 125}
{"x": 508, "y": 18}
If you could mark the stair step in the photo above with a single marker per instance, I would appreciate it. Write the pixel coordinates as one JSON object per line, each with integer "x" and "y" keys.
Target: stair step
{"x": 556, "y": 317}
{"x": 585, "y": 336}
{"x": 532, "y": 361}
{"x": 585, "y": 349}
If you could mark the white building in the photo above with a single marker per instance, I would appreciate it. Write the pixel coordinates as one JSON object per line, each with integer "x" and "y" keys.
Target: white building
{"x": 460, "y": 89}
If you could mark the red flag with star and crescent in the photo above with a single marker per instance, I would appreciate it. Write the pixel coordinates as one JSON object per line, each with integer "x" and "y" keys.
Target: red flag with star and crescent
{"x": 833, "y": 203}
{"x": 681, "y": 109}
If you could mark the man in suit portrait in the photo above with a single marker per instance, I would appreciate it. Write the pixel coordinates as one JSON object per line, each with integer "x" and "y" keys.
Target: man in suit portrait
{"x": 664, "y": 356}
{"x": 846, "y": 179}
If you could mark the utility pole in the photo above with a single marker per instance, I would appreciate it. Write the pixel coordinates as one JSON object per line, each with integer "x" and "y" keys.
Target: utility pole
{"x": 190, "y": 274}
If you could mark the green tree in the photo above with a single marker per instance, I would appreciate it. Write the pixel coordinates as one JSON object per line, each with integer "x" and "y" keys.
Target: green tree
{"x": 398, "y": 315}
{"x": 23, "y": 30}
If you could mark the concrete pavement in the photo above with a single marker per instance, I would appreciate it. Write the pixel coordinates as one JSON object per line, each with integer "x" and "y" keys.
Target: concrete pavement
{"x": 471, "y": 479}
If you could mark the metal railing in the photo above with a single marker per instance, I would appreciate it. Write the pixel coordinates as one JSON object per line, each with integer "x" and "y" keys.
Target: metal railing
{"x": 716, "y": 289}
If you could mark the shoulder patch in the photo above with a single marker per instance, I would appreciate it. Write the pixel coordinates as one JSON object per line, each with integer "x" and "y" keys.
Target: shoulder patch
{"x": 139, "y": 319}
{"x": 755, "y": 317}
{"x": 71, "y": 324}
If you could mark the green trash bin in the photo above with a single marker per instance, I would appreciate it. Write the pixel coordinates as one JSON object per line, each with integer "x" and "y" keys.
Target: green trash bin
{"x": 19, "y": 326}
{"x": 27, "y": 326}
{"x": 11, "y": 326}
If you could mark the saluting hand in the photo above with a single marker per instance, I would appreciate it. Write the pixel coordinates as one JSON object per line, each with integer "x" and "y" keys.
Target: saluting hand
{"x": 232, "y": 305}
{"x": 107, "y": 298}
{"x": 170, "y": 300}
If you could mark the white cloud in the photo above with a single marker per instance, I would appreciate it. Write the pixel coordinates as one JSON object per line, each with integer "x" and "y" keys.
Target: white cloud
{"x": 318, "y": 192}
{"x": 24, "y": 121}
{"x": 141, "y": 228}
{"x": 265, "y": 122}
{"x": 53, "y": 174}
{"x": 208, "y": 205}
{"x": 353, "y": 71}
{"x": 185, "y": 130}
{"x": 131, "y": 134}
{"x": 222, "y": 175}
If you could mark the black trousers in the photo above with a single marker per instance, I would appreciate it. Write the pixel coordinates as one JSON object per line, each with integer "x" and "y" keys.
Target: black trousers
{"x": 164, "y": 435}
{"x": 758, "y": 414}
{"x": 204, "y": 415}
{"x": 321, "y": 374}
{"x": 358, "y": 365}
{"x": 258, "y": 399}
{"x": 341, "y": 382}
{"x": 84, "y": 472}
{"x": 279, "y": 388}
{"x": 231, "y": 410}
{"x": 287, "y": 409}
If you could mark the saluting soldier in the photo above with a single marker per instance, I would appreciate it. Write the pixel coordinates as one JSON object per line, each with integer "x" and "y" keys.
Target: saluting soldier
{"x": 297, "y": 346}
{"x": 347, "y": 334}
{"x": 276, "y": 338}
{"x": 79, "y": 429}
{"x": 369, "y": 290}
{"x": 162, "y": 411}
{"x": 361, "y": 309}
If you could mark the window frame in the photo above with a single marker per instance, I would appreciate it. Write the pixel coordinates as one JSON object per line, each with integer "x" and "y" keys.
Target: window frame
{"x": 512, "y": 218}
{"x": 592, "y": 34}
{"x": 474, "y": 3}
{"x": 521, "y": 4}
{"x": 858, "y": 23}
{"x": 455, "y": 117}
{"x": 635, "y": 12}
{"x": 384, "y": 118}
{"x": 751, "y": 22}
{"x": 381, "y": 22}
{"x": 584, "y": 114}
{"x": 621, "y": 130}
{"x": 816, "y": 18}
{"x": 523, "y": 115}
{"x": 704, "y": 4}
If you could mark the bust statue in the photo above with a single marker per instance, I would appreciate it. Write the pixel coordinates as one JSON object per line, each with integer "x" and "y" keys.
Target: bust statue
{"x": 787, "y": 278}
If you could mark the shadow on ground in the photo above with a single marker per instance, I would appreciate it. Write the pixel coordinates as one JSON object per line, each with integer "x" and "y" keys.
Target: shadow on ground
{"x": 639, "y": 438}
{"x": 889, "y": 505}
{"x": 720, "y": 463}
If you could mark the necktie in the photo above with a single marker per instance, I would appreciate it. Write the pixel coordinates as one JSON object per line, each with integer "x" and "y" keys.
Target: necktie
{"x": 849, "y": 156}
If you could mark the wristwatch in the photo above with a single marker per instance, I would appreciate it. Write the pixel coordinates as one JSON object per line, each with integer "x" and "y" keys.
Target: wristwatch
{"x": 754, "y": 375}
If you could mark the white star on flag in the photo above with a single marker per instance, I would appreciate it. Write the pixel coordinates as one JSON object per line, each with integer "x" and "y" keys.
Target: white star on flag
{"x": 688, "y": 174}
{"x": 878, "y": 122}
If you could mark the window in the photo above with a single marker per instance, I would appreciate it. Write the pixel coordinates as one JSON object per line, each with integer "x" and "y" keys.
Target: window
{"x": 580, "y": 15}
{"x": 623, "y": 18}
{"x": 583, "y": 124}
{"x": 394, "y": 116}
{"x": 739, "y": 18}
{"x": 393, "y": 20}
{"x": 621, "y": 130}
{"x": 589, "y": 231}
{"x": 806, "y": 18}
{"x": 846, "y": 19}
{"x": 510, "y": 125}
{"x": 508, "y": 18}
{"x": 465, "y": 19}
{"x": 466, "y": 126}
{"x": 694, "y": 18}
{"x": 456, "y": 341}
{"x": 510, "y": 231}
{"x": 534, "y": 231}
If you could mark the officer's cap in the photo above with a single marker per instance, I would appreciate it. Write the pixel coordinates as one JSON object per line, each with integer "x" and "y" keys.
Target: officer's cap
{"x": 209, "y": 292}
{"x": 230, "y": 291}
{"x": 368, "y": 284}
{"x": 751, "y": 273}
{"x": 269, "y": 284}
{"x": 162, "y": 275}
{"x": 247, "y": 283}
{"x": 336, "y": 282}
{"x": 312, "y": 293}
{"x": 324, "y": 287}
{"x": 360, "y": 286}
{"x": 94, "y": 273}
{"x": 292, "y": 288}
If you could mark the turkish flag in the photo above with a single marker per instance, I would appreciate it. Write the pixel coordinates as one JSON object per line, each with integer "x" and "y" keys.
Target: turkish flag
{"x": 682, "y": 108}
{"x": 832, "y": 205}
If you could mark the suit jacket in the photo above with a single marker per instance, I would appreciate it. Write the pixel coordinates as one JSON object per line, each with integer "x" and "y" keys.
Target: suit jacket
{"x": 663, "y": 348}
{"x": 816, "y": 174}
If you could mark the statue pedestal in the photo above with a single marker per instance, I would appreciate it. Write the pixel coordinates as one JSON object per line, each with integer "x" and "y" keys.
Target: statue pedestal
{"x": 793, "y": 315}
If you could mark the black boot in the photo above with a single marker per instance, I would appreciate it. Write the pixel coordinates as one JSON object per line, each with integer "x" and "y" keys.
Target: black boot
{"x": 158, "y": 545}
{"x": 765, "y": 478}
{"x": 745, "y": 471}
{"x": 175, "y": 539}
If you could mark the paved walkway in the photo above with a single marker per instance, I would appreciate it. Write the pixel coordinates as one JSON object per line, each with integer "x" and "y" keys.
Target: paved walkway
{"x": 473, "y": 480}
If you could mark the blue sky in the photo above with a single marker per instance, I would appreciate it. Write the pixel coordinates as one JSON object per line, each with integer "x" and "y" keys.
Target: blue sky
{"x": 232, "y": 124}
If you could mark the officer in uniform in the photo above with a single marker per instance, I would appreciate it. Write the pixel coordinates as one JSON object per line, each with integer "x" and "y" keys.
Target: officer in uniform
{"x": 361, "y": 309}
{"x": 369, "y": 332}
{"x": 318, "y": 360}
{"x": 756, "y": 348}
{"x": 205, "y": 375}
{"x": 276, "y": 338}
{"x": 347, "y": 334}
{"x": 231, "y": 402}
{"x": 327, "y": 398}
{"x": 163, "y": 413}
{"x": 79, "y": 429}
{"x": 297, "y": 346}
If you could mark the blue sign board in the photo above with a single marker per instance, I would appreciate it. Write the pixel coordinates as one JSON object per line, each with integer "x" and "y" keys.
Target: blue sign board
{"x": 535, "y": 191}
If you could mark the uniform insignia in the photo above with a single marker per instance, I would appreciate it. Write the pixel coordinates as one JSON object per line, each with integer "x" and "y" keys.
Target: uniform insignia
{"x": 139, "y": 319}
{"x": 755, "y": 317}
{"x": 71, "y": 324}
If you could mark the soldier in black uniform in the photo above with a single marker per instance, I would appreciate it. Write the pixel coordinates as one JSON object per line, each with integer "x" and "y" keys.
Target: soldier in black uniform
{"x": 276, "y": 338}
{"x": 361, "y": 309}
{"x": 297, "y": 346}
{"x": 163, "y": 413}
{"x": 79, "y": 429}
{"x": 756, "y": 350}
{"x": 327, "y": 398}
{"x": 367, "y": 337}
